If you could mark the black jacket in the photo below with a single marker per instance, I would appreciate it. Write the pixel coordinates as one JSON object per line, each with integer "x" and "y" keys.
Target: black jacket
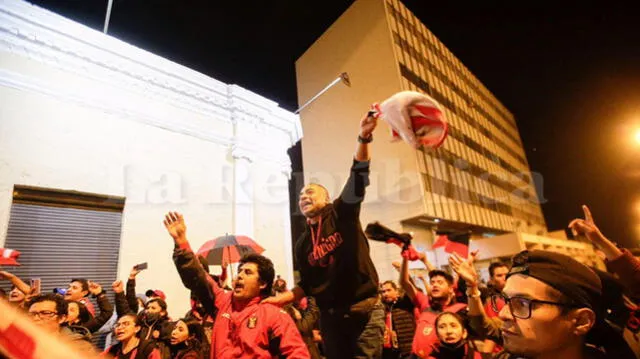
{"x": 333, "y": 256}
{"x": 106, "y": 311}
{"x": 163, "y": 326}
{"x": 404, "y": 322}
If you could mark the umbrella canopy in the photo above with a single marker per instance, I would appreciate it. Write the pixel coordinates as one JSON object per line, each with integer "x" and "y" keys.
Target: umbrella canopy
{"x": 228, "y": 249}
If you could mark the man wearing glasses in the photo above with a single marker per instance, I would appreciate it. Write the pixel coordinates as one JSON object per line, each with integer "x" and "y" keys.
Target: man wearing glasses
{"x": 553, "y": 309}
{"x": 49, "y": 312}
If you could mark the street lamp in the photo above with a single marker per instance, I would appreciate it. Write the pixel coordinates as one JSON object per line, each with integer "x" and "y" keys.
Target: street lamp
{"x": 637, "y": 136}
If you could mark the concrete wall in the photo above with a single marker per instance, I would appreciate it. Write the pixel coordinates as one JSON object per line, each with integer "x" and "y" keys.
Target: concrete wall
{"x": 86, "y": 112}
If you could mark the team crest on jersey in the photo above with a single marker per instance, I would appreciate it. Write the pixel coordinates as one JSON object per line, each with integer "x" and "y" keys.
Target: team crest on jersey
{"x": 427, "y": 330}
{"x": 226, "y": 315}
{"x": 252, "y": 322}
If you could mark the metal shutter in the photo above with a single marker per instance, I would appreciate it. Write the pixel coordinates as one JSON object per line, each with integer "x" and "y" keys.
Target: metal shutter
{"x": 63, "y": 235}
{"x": 58, "y": 243}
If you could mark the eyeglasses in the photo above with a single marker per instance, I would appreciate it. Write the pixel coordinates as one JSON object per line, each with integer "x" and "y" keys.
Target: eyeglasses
{"x": 520, "y": 307}
{"x": 44, "y": 314}
{"x": 123, "y": 324}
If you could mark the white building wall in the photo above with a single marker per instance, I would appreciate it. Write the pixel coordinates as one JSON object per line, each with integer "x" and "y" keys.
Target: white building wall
{"x": 83, "y": 111}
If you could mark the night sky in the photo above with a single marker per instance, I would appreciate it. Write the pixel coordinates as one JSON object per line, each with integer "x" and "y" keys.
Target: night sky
{"x": 570, "y": 75}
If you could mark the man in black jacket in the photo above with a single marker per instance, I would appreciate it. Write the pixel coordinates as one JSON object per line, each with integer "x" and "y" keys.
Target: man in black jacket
{"x": 400, "y": 322}
{"x": 335, "y": 267}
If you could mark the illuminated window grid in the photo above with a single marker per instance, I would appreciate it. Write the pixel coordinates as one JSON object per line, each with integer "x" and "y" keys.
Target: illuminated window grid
{"x": 492, "y": 219}
{"x": 435, "y": 197}
{"x": 496, "y": 151}
{"x": 447, "y": 207}
{"x": 427, "y": 196}
{"x": 504, "y": 139}
{"x": 464, "y": 197}
{"x": 484, "y": 94}
{"x": 457, "y": 192}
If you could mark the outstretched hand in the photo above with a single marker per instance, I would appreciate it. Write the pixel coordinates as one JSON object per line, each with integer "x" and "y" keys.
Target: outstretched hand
{"x": 588, "y": 228}
{"x": 464, "y": 269}
{"x": 174, "y": 222}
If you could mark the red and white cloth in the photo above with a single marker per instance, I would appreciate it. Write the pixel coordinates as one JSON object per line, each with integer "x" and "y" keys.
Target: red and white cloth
{"x": 9, "y": 257}
{"x": 415, "y": 118}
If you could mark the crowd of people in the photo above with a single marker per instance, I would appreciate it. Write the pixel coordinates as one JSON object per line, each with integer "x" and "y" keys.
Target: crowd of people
{"x": 540, "y": 305}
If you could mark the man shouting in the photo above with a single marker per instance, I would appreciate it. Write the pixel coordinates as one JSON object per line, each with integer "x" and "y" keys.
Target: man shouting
{"x": 334, "y": 262}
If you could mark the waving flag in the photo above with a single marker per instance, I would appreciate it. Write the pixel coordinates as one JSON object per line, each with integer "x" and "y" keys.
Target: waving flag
{"x": 9, "y": 257}
{"x": 453, "y": 243}
{"x": 415, "y": 118}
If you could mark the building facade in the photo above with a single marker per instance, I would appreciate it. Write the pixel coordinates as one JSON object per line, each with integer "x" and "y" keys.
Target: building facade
{"x": 99, "y": 139}
{"x": 479, "y": 180}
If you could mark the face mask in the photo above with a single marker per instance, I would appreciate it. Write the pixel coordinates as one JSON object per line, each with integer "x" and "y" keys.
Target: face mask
{"x": 150, "y": 318}
{"x": 453, "y": 346}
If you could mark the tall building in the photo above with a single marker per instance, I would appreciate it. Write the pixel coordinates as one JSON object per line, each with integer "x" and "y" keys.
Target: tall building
{"x": 479, "y": 180}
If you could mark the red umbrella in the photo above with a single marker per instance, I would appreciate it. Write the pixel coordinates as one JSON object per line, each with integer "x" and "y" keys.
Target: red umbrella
{"x": 228, "y": 249}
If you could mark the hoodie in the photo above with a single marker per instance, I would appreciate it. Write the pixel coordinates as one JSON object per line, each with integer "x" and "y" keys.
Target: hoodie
{"x": 333, "y": 255}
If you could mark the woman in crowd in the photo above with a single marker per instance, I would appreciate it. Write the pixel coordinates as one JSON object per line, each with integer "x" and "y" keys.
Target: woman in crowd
{"x": 187, "y": 340}
{"x": 452, "y": 336}
{"x": 130, "y": 346}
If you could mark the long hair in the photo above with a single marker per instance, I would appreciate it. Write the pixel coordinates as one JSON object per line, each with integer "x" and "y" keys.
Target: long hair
{"x": 196, "y": 341}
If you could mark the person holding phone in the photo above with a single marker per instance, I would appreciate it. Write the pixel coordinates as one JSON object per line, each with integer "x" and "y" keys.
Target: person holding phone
{"x": 130, "y": 294}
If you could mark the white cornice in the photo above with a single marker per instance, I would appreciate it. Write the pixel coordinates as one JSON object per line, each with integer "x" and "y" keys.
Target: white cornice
{"x": 42, "y": 36}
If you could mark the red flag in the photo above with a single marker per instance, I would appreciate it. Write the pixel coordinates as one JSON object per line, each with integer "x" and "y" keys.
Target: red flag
{"x": 454, "y": 243}
{"x": 441, "y": 241}
{"x": 9, "y": 257}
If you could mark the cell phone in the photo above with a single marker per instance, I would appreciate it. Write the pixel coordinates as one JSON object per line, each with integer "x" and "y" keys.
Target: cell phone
{"x": 36, "y": 286}
{"x": 141, "y": 266}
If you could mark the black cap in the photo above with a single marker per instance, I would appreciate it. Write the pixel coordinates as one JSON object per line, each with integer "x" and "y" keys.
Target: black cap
{"x": 573, "y": 279}
{"x": 584, "y": 288}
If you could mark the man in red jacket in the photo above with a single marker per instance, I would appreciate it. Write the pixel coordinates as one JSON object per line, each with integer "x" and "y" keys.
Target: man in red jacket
{"x": 244, "y": 327}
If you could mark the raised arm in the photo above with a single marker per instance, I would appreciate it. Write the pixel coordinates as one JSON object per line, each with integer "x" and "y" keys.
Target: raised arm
{"x": 621, "y": 262}
{"x": 354, "y": 190}
{"x": 122, "y": 307}
{"x": 19, "y": 283}
{"x": 105, "y": 307}
{"x": 132, "y": 300}
{"x": 192, "y": 274}
{"x": 367, "y": 125}
{"x": 479, "y": 321}
{"x": 405, "y": 280}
